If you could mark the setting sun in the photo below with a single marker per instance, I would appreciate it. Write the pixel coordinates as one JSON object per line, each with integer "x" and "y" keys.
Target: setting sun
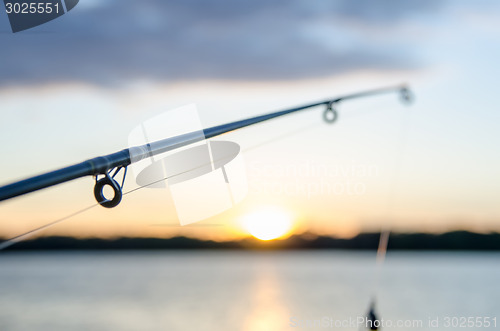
{"x": 268, "y": 223}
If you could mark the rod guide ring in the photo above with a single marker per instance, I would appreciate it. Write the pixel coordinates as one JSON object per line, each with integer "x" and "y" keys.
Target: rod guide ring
{"x": 406, "y": 95}
{"x": 99, "y": 195}
{"x": 330, "y": 115}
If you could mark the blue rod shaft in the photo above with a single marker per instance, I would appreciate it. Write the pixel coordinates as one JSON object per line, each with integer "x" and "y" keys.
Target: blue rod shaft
{"x": 102, "y": 164}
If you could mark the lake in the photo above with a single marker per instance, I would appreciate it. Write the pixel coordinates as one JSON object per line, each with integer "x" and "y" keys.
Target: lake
{"x": 246, "y": 290}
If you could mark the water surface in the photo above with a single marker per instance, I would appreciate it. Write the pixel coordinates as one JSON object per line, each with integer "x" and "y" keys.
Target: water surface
{"x": 239, "y": 290}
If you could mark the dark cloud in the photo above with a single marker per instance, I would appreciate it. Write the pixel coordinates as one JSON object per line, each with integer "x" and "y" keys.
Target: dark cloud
{"x": 116, "y": 41}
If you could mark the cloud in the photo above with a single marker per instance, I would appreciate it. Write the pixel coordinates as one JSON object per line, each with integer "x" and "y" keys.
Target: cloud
{"x": 115, "y": 41}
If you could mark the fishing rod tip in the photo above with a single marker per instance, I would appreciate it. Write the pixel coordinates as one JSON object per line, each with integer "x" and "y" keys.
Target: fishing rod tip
{"x": 406, "y": 94}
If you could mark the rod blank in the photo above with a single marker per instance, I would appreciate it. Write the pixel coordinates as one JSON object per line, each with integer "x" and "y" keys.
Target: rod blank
{"x": 102, "y": 164}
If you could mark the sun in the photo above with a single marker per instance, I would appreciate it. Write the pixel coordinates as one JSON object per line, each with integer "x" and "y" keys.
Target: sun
{"x": 267, "y": 223}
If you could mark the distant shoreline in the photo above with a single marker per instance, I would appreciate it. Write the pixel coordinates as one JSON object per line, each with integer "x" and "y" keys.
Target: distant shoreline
{"x": 450, "y": 241}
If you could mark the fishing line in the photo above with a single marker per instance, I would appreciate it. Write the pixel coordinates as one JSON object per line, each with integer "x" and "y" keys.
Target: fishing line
{"x": 283, "y": 136}
{"x": 21, "y": 237}
{"x": 386, "y": 229}
{"x": 9, "y": 242}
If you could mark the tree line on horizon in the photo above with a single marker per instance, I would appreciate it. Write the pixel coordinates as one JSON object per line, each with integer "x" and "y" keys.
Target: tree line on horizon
{"x": 456, "y": 240}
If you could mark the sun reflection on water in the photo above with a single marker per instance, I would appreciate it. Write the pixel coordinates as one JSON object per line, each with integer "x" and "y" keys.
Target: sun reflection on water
{"x": 268, "y": 310}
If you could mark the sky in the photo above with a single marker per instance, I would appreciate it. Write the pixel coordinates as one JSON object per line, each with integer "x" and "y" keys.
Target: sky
{"x": 75, "y": 87}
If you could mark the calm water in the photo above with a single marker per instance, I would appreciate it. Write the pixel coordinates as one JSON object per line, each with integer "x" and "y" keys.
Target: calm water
{"x": 240, "y": 290}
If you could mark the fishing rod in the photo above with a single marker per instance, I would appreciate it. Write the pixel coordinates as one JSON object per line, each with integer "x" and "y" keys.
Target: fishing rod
{"x": 115, "y": 162}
